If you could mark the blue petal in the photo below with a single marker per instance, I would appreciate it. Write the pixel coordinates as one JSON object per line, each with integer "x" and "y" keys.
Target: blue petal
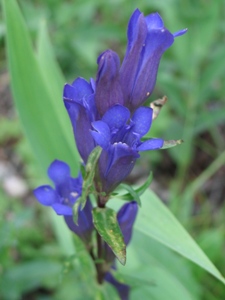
{"x": 122, "y": 289}
{"x": 81, "y": 122}
{"x": 126, "y": 217}
{"x": 62, "y": 209}
{"x": 115, "y": 165}
{"x": 46, "y": 195}
{"x": 123, "y": 153}
{"x": 78, "y": 90}
{"x": 142, "y": 120}
{"x": 151, "y": 144}
{"x": 93, "y": 84}
{"x": 154, "y": 21}
{"x": 58, "y": 171}
{"x": 157, "y": 41}
{"x": 75, "y": 186}
{"x": 85, "y": 224}
{"x": 108, "y": 89}
{"x": 137, "y": 31}
{"x": 116, "y": 117}
{"x": 101, "y": 134}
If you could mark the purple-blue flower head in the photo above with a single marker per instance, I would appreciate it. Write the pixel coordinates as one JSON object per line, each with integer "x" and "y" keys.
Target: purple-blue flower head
{"x": 62, "y": 198}
{"x": 118, "y": 135}
{"x": 134, "y": 82}
{"x": 120, "y": 138}
{"x": 107, "y": 112}
{"x": 66, "y": 192}
{"x": 148, "y": 39}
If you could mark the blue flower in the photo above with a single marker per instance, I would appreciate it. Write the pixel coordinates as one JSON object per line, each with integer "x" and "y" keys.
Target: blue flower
{"x": 120, "y": 138}
{"x": 148, "y": 39}
{"x": 62, "y": 198}
{"x": 134, "y": 82}
{"x": 107, "y": 112}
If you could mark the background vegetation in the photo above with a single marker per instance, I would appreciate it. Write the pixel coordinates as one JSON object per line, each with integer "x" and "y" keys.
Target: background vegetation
{"x": 189, "y": 178}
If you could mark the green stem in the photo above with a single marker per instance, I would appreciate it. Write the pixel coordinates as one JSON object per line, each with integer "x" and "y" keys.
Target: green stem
{"x": 99, "y": 263}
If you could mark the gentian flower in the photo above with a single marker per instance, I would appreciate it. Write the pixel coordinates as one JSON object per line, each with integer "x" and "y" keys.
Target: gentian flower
{"x": 121, "y": 142}
{"x": 118, "y": 135}
{"x": 106, "y": 112}
{"x": 62, "y": 198}
{"x": 148, "y": 39}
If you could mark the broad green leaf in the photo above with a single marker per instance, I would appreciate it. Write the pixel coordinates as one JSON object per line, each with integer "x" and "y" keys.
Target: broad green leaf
{"x": 41, "y": 111}
{"x": 78, "y": 275}
{"x": 28, "y": 276}
{"x": 157, "y": 222}
{"x": 64, "y": 236}
{"x": 53, "y": 76}
{"x": 105, "y": 221}
{"x": 153, "y": 271}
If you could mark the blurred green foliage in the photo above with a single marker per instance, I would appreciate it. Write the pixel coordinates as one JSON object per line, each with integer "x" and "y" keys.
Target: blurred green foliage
{"x": 191, "y": 74}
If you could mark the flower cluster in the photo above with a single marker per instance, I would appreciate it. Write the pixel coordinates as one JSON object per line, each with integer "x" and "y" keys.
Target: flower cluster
{"x": 109, "y": 112}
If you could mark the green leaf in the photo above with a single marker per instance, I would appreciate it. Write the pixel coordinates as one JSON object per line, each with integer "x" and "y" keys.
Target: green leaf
{"x": 90, "y": 174}
{"x": 37, "y": 96}
{"x": 132, "y": 193}
{"x": 28, "y": 276}
{"x": 154, "y": 271}
{"x": 105, "y": 222}
{"x": 138, "y": 191}
{"x": 87, "y": 186}
{"x": 157, "y": 222}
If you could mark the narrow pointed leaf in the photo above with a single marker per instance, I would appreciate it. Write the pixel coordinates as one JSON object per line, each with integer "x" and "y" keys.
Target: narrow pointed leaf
{"x": 105, "y": 221}
{"x": 138, "y": 191}
{"x": 89, "y": 175}
{"x": 87, "y": 186}
{"x": 132, "y": 193}
{"x": 157, "y": 222}
{"x": 53, "y": 76}
{"x": 75, "y": 211}
{"x": 42, "y": 114}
